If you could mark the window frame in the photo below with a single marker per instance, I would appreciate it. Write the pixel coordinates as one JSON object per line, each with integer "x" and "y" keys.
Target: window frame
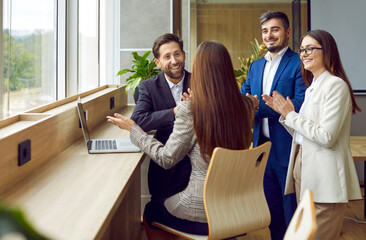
{"x": 66, "y": 15}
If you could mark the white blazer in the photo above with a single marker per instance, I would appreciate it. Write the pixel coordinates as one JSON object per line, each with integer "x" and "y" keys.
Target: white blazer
{"x": 327, "y": 167}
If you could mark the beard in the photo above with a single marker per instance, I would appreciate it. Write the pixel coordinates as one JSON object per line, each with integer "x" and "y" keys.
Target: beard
{"x": 172, "y": 75}
{"x": 274, "y": 49}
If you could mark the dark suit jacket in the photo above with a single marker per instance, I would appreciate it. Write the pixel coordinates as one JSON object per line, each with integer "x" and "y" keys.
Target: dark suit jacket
{"x": 288, "y": 82}
{"x": 154, "y": 111}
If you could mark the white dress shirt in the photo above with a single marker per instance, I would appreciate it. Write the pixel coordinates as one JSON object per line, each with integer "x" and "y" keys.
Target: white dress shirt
{"x": 308, "y": 93}
{"x": 268, "y": 75}
{"x": 176, "y": 89}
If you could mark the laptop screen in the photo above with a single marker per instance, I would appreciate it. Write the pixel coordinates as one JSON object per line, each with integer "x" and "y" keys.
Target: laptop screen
{"x": 82, "y": 119}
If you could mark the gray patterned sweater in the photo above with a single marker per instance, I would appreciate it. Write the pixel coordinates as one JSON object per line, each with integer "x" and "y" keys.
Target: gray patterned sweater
{"x": 187, "y": 204}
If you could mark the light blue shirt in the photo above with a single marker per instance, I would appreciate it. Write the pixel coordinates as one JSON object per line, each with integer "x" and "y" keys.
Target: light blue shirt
{"x": 176, "y": 89}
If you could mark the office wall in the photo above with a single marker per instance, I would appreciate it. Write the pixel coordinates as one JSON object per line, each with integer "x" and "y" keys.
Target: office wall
{"x": 140, "y": 23}
{"x": 345, "y": 21}
{"x": 235, "y": 24}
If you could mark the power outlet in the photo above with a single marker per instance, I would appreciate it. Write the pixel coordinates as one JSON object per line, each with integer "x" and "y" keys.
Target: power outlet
{"x": 111, "y": 103}
{"x": 24, "y": 152}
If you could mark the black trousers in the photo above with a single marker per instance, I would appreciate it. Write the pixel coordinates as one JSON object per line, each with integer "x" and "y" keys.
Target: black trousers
{"x": 164, "y": 183}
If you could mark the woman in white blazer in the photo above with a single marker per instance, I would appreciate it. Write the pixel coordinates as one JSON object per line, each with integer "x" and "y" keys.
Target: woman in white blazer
{"x": 320, "y": 158}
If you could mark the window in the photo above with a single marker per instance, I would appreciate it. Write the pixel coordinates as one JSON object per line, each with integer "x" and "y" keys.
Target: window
{"x": 28, "y": 55}
{"x": 88, "y": 43}
{"x": 52, "y": 50}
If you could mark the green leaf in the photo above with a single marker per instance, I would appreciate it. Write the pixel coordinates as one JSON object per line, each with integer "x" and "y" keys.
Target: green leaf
{"x": 133, "y": 77}
{"x": 250, "y": 60}
{"x": 136, "y": 56}
{"x": 124, "y": 71}
{"x": 136, "y": 83}
{"x": 128, "y": 87}
{"x": 146, "y": 54}
{"x": 152, "y": 65}
{"x": 13, "y": 220}
{"x": 142, "y": 69}
{"x": 133, "y": 84}
{"x": 238, "y": 72}
{"x": 256, "y": 42}
{"x": 144, "y": 63}
{"x": 129, "y": 78}
{"x": 136, "y": 63}
{"x": 242, "y": 72}
{"x": 255, "y": 48}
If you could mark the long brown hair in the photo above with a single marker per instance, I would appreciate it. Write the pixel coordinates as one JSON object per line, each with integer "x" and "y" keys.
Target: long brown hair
{"x": 331, "y": 59}
{"x": 222, "y": 116}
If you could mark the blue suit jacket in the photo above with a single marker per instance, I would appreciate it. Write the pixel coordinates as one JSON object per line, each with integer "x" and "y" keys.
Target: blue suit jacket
{"x": 154, "y": 111}
{"x": 288, "y": 82}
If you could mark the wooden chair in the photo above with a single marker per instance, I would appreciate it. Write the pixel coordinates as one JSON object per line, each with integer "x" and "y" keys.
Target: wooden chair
{"x": 233, "y": 194}
{"x": 303, "y": 224}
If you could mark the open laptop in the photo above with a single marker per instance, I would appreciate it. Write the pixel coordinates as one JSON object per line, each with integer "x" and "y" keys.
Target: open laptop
{"x": 103, "y": 145}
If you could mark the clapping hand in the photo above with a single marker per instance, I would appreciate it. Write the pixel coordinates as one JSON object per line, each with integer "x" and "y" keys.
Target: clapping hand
{"x": 278, "y": 103}
{"x": 254, "y": 100}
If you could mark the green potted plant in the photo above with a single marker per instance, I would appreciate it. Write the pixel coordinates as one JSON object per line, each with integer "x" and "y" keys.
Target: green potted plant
{"x": 15, "y": 225}
{"x": 242, "y": 72}
{"x": 141, "y": 69}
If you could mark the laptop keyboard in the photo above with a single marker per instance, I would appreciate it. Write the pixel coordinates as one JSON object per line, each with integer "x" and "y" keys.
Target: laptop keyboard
{"x": 105, "y": 144}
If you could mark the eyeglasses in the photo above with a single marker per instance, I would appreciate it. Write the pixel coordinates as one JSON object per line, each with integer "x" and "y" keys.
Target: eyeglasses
{"x": 308, "y": 50}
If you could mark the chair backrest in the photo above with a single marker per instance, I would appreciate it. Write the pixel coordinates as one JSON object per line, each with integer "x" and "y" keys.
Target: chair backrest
{"x": 303, "y": 223}
{"x": 233, "y": 193}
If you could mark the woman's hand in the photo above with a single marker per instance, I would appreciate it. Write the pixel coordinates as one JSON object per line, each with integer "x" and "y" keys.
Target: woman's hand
{"x": 187, "y": 96}
{"x": 278, "y": 103}
{"x": 254, "y": 100}
{"x": 121, "y": 121}
{"x": 269, "y": 101}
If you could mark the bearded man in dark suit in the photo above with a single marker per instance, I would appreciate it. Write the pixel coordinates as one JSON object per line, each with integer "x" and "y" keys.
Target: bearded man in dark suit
{"x": 155, "y": 110}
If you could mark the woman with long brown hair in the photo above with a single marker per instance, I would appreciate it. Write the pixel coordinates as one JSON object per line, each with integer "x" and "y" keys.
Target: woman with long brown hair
{"x": 320, "y": 157}
{"x": 217, "y": 116}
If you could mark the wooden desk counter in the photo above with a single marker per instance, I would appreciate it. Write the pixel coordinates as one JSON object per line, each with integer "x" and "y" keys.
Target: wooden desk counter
{"x": 358, "y": 149}
{"x": 77, "y": 195}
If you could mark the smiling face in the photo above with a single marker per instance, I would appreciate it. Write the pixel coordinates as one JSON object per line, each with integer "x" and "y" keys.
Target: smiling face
{"x": 274, "y": 35}
{"x": 171, "y": 61}
{"x": 313, "y": 62}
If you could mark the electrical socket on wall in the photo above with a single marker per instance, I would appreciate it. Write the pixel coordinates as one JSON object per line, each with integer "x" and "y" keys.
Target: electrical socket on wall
{"x": 111, "y": 103}
{"x": 24, "y": 152}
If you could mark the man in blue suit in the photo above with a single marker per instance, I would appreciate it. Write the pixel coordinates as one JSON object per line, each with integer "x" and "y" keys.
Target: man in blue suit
{"x": 279, "y": 70}
{"x": 155, "y": 110}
